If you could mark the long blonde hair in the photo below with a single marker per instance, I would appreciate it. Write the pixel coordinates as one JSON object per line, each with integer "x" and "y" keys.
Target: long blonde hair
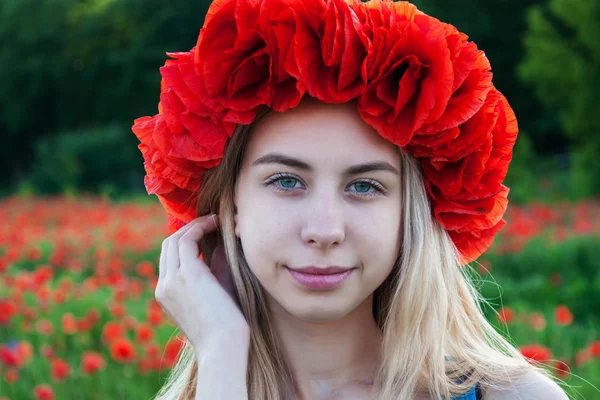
{"x": 439, "y": 343}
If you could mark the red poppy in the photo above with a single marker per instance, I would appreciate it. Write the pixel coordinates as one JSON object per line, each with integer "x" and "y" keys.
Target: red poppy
{"x": 144, "y": 332}
{"x": 11, "y": 375}
{"x": 60, "y": 369}
{"x": 117, "y": 310}
{"x": 42, "y": 274}
{"x": 83, "y": 324}
{"x": 122, "y": 350}
{"x": 172, "y": 351}
{"x": 146, "y": 269}
{"x": 43, "y": 392}
{"x": 130, "y": 322}
{"x": 506, "y": 315}
{"x": 112, "y": 330}
{"x": 563, "y": 316}
{"x": 92, "y": 362}
{"x": 24, "y": 351}
{"x": 69, "y": 324}
{"x": 562, "y": 368}
{"x": 155, "y": 317}
{"x": 93, "y": 315}
{"x": 9, "y": 357}
{"x": 145, "y": 365}
{"x": 8, "y": 309}
{"x": 47, "y": 351}
{"x": 536, "y": 352}
{"x": 537, "y": 321}
{"x": 582, "y": 357}
{"x": 595, "y": 348}
{"x": 45, "y": 327}
{"x": 151, "y": 349}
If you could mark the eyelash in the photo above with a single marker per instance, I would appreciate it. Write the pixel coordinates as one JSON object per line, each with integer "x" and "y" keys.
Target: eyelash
{"x": 377, "y": 186}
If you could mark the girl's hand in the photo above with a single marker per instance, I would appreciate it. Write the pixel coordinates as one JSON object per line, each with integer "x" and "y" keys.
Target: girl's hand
{"x": 198, "y": 299}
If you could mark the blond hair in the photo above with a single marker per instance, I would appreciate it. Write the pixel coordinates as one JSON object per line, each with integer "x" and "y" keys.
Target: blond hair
{"x": 440, "y": 343}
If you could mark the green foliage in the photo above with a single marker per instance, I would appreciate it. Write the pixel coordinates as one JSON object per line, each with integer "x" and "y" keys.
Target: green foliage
{"x": 562, "y": 63}
{"x": 521, "y": 179}
{"x": 89, "y": 160}
{"x": 525, "y": 276}
{"x": 72, "y": 64}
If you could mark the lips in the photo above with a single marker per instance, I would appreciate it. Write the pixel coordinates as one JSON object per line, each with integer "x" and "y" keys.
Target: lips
{"x": 331, "y": 270}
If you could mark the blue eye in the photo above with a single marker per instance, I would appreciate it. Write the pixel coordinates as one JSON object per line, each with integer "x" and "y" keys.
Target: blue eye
{"x": 286, "y": 183}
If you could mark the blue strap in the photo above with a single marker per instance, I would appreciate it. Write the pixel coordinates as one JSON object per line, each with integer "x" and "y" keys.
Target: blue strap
{"x": 470, "y": 395}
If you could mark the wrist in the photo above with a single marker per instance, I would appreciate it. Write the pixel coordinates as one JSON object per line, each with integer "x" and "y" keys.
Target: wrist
{"x": 227, "y": 344}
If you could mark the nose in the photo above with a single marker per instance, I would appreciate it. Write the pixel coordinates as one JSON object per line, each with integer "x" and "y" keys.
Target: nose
{"x": 324, "y": 222}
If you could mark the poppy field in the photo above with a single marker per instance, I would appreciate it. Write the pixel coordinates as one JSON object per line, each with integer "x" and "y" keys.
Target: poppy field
{"x": 78, "y": 319}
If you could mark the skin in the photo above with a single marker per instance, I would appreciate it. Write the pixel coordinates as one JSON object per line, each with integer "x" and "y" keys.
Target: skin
{"x": 324, "y": 218}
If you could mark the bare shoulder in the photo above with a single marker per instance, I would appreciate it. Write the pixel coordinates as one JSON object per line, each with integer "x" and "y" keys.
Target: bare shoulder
{"x": 532, "y": 386}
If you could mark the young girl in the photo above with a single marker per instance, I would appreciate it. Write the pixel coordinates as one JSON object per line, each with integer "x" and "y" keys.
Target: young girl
{"x": 353, "y": 154}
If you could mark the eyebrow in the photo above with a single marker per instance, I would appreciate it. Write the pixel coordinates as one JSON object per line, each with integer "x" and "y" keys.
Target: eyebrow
{"x": 278, "y": 158}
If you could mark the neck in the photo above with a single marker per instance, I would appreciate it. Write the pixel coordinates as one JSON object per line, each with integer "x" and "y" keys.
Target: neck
{"x": 328, "y": 357}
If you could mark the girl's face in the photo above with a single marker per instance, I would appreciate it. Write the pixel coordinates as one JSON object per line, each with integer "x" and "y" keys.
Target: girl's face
{"x": 319, "y": 187}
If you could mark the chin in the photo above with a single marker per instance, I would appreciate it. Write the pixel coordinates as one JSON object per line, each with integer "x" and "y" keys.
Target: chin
{"x": 315, "y": 311}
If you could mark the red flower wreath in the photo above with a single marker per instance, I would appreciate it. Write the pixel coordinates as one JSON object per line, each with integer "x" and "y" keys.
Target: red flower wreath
{"x": 419, "y": 83}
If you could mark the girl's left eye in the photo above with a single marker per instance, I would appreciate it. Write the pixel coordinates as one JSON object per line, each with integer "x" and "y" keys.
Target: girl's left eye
{"x": 286, "y": 183}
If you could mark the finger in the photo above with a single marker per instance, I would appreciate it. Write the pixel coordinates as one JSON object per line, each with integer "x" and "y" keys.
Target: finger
{"x": 173, "y": 249}
{"x": 188, "y": 244}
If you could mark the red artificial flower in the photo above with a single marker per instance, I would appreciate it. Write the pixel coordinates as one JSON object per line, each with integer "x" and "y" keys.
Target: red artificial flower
{"x": 43, "y": 392}
{"x": 122, "y": 350}
{"x": 411, "y": 72}
{"x": 92, "y": 362}
{"x": 416, "y": 80}
{"x": 330, "y": 50}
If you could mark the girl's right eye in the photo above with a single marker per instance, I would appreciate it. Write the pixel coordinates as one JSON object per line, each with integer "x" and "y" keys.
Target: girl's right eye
{"x": 286, "y": 182}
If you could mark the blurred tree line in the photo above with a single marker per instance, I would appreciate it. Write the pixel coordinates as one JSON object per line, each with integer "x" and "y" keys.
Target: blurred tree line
{"x": 75, "y": 73}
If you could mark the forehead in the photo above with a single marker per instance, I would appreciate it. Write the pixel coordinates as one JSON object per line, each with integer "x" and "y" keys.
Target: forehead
{"x": 314, "y": 130}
